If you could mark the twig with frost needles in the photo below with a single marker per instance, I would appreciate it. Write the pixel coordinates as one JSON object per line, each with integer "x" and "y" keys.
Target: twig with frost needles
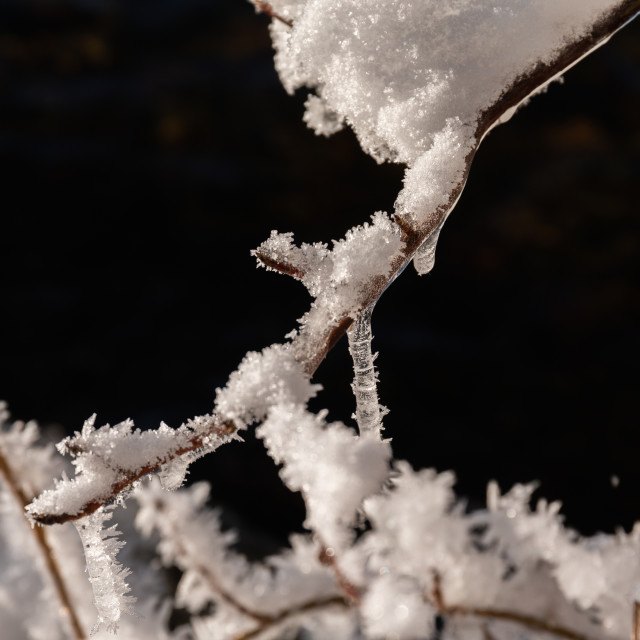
{"x": 262, "y": 621}
{"x": 327, "y": 556}
{"x": 291, "y": 614}
{"x": 498, "y": 614}
{"x": 265, "y": 7}
{"x": 42, "y": 543}
{"x": 218, "y": 428}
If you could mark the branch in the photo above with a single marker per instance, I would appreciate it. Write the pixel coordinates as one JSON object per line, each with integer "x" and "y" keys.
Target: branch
{"x": 311, "y": 346}
{"x": 270, "y": 622}
{"x": 42, "y": 543}
{"x": 279, "y": 265}
{"x": 266, "y": 8}
{"x": 498, "y": 614}
{"x": 327, "y": 557}
{"x": 219, "y": 429}
{"x": 313, "y": 349}
{"x": 543, "y": 73}
{"x": 190, "y": 522}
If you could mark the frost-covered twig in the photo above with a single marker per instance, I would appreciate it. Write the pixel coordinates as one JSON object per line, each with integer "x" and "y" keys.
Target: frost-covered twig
{"x": 355, "y": 285}
{"x": 530, "y": 622}
{"x": 67, "y": 608}
{"x": 102, "y": 478}
{"x": 327, "y": 556}
{"x": 287, "y": 617}
{"x": 265, "y": 7}
{"x": 262, "y": 595}
{"x": 110, "y": 460}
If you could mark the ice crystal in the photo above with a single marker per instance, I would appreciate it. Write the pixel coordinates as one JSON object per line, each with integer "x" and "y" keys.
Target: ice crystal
{"x": 106, "y": 575}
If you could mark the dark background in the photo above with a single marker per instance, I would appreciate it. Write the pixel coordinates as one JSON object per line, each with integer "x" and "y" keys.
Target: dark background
{"x": 147, "y": 146}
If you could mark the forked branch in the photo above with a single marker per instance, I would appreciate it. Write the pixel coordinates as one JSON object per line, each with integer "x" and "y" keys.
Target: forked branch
{"x": 311, "y": 347}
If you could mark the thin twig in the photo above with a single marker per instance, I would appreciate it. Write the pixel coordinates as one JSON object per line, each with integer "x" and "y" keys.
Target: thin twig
{"x": 635, "y": 631}
{"x": 218, "y": 428}
{"x": 499, "y": 614}
{"x": 262, "y": 620}
{"x": 47, "y": 552}
{"x": 215, "y": 586}
{"x": 267, "y": 9}
{"x": 292, "y": 613}
{"x": 279, "y": 265}
{"x": 543, "y": 72}
{"x": 327, "y": 558}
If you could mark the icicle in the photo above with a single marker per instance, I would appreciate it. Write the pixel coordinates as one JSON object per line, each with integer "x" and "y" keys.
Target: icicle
{"x": 425, "y": 257}
{"x": 369, "y": 413}
{"x": 106, "y": 574}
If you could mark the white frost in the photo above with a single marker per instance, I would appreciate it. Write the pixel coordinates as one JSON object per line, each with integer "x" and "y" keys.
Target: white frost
{"x": 334, "y": 469}
{"x": 261, "y": 381}
{"x": 105, "y": 455}
{"x": 106, "y": 574}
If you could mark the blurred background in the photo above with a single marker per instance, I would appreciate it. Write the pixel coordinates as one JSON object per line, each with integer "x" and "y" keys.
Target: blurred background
{"x": 147, "y": 146}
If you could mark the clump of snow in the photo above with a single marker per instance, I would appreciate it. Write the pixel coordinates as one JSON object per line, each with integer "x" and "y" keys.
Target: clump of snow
{"x": 433, "y": 177}
{"x": 398, "y": 71}
{"x": 337, "y": 277}
{"x": 599, "y": 573}
{"x": 395, "y": 607}
{"x": 263, "y": 380}
{"x": 366, "y": 251}
{"x": 416, "y": 514}
{"x": 335, "y": 469}
{"x": 507, "y": 558}
{"x": 190, "y": 538}
{"x": 106, "y": 455}
{"x": 321, "y": 119}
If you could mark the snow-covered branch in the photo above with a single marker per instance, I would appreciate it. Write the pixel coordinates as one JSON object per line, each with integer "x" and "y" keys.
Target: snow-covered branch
{"x": 390, "y": 550}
